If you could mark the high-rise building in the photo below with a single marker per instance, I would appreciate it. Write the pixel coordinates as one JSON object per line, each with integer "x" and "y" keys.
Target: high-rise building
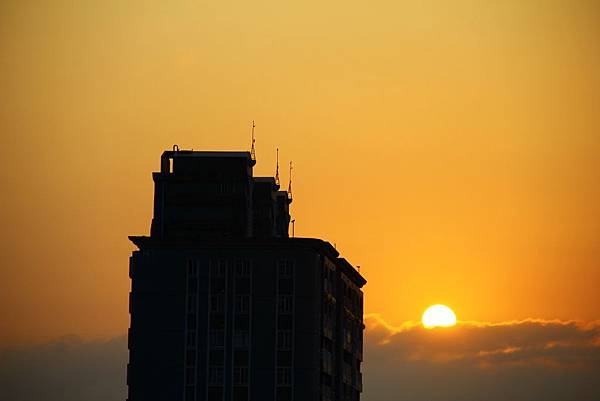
{"x": 225, "y": 305}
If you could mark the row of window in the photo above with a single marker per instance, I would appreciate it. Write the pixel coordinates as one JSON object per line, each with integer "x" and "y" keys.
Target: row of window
{"x": 212, "y": 186}
{"x": 218, "y": 267}
{"x": 243, "y": 268}
{"x": 241, "y": 303}
{"x": 215, "y": 393}
{"x": 241, "y": 338}
{"x": 216, "y": 375}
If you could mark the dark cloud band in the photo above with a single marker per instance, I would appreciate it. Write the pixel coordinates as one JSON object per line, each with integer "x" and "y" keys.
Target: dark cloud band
{"x": 520, "y": 360}
{"x": 532, "y": 359}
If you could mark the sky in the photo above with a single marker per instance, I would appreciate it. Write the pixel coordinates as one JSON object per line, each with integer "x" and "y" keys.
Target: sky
{"x": 448, "y": 148}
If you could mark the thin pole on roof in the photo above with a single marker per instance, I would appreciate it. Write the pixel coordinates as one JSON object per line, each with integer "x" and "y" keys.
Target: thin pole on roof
{"x": 289, "y": 191}
{"x": 252, "y": 150}
{"x": 277, "y": 168}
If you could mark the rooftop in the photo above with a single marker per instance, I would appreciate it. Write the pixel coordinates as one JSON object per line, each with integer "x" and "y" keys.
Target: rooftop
{"x": 203, "y": 153}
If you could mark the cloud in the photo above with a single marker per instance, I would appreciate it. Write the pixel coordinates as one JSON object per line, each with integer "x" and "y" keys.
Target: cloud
{"x": 66, "y": 369}
{"x": 529, "y": 360}
{"x": 518, "y": 360}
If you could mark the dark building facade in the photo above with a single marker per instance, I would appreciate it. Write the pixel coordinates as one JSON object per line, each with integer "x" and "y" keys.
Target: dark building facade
{"x": 225, "y": 306}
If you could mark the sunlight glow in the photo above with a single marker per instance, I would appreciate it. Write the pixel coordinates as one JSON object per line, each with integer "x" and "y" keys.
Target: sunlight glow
{"x": 438, "y": 316}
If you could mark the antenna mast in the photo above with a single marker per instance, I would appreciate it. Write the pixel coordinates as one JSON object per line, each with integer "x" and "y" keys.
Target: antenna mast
{"x": 252, "y": 150}
{"x": 289, "y": 191}
{"x": 277, "y": 168}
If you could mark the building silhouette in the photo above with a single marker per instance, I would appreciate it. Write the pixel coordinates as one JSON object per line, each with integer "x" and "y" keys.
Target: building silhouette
{"x": 225, "y": 306}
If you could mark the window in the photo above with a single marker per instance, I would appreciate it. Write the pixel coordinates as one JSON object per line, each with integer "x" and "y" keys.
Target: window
{"x": 215, "y": 375}
{"x": 284, "y": 358}
{"x": 326, "y": 391}
{"x": 284, "y": 376}
{"x": 241, "y": 321}
{"x": 285, "y": 286}
{"x": 216, "y": 303}
{"x": 215, "y": 394}
{"x": 348, "y": 337}
{"x": 189, "y": 393}
{"x": 284, "y": 393}
{"x": 242, "y": 303}
{"x": 191, "y": 304}
{"x": 284, "y": 304}
{"x": 192, "y": 286}
{"x": 217, "y": 285}
{"x": 329, "y": 310}
{"x": 191, "y": 358}
{"x": 217, "y": 338}
{"x": 190, "y": 375}
{"x": 240, "y": 375}
{"x": 217, "y": 321}
{"x": 242, "y": 268}
{"x": 285, "y": 322}
{"x": 191, "y": 339}
{"x": 240, "y": 393}
{"x": 326, "y": 285}
{"x": 284, "y": 339}
{"x": 216, "y": 357}
{"x": 218, "y": 268}
{"x": 326, "y": 362}
{"x": 360, "y": 303}
{"x": 241, "y": 357}
{"x": 347, "y": 373}
{"x": 285, "y": 268}
{"x": 240, "y": 338}
{"x": 242, "y": 285}
{"x": 192, "y": 268}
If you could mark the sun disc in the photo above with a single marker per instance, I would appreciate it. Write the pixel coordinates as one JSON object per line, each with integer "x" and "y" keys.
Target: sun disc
{"x": 438, "y": 316}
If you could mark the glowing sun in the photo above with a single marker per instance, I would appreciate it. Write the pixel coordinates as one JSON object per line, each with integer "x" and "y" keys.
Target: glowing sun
{"x": 438, "y": 316}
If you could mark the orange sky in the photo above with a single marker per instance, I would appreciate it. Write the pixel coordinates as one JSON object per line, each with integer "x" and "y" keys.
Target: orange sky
{"x": 449, "y": 148}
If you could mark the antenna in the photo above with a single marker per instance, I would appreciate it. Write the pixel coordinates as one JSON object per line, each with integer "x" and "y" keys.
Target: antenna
{"x": 252, "y": 150}
{"x": 277, "y": 168}
{"x": 289, "y": 191}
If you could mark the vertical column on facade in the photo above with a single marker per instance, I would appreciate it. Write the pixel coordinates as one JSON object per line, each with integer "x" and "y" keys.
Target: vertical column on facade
{"x": 191, "y": 332}
{"x": 284, "y": 342}
{"x": 352, "y": 340}
{"x": 241, "y": 329}
{"x": 217, "y": 307}
{"x": 328, "y": 330}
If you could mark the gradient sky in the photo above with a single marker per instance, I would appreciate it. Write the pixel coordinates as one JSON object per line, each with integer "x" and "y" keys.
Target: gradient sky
{"x": 450, "y": 148}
